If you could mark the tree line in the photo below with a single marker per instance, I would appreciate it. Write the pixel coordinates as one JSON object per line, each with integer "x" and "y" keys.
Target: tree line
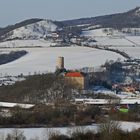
{"x": 109, "y": 130}
{"x": 13, "y": 55}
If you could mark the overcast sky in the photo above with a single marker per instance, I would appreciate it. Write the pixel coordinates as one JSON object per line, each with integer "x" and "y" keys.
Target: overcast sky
{"x": 12, "y": 11}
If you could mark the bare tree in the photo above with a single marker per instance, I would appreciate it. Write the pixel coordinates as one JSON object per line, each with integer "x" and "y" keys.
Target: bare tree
{"x": 49, "y": 133}
{"x": 16, "y": 135}
{"x": 76, "y": 131}
{"x": 2, "y": 136}
{"x": 108, "y": 128}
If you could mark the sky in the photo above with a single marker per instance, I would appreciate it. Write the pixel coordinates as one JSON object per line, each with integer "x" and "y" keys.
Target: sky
{"x": 13, "y": 11}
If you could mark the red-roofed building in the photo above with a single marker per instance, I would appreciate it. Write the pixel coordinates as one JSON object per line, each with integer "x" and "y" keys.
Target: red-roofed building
{"x": 74, "y": 74}
{"x": 77, "y": 79}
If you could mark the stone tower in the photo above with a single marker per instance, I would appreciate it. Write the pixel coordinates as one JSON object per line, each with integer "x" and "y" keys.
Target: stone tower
{"x": 60, "y": 62}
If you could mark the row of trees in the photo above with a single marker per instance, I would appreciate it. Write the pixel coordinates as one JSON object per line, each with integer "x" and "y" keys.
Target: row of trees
{"x": 59, "y": 115}
{"x": 5, "y": 58}
{"x": 65, "y": 114}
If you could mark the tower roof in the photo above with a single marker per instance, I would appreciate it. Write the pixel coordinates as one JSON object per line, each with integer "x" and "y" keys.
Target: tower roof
{"x": 74, "y": 74}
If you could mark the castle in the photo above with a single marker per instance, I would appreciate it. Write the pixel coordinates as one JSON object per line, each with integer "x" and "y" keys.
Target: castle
{"x": 78, "y": 80}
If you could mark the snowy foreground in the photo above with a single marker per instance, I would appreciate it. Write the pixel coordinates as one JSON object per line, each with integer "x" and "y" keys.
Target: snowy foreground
{"x": 44, "y": 132}
{"x": 44, "y": 59}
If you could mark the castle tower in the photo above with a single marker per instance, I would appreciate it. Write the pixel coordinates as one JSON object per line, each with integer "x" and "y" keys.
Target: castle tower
{"x": 60, "y": 62}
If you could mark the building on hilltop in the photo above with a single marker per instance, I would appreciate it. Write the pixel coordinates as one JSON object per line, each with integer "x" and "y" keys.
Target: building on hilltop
{"x": 77, "y": 79}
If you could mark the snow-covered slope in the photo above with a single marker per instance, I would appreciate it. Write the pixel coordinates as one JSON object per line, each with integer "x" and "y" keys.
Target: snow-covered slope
{"x": 96, "y": 32}
{"x": 131, "y": 31}
{"x": 133, "y": 52}
{"x": 44, "y": 59}
{"x": 33, "y": 31}
{"x": 137, "y": 12}
{"x": 102, "y": 32}
{"x": 113, "y": 41}
{"x": 26, "y": 43}
{"x": 109, "y": 36}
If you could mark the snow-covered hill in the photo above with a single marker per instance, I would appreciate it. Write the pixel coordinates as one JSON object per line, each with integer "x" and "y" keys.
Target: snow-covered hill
{"x": 32, "y": 31}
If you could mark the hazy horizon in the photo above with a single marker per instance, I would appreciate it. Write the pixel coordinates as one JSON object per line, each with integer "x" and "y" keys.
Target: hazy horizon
{"x": 15, "y": 11}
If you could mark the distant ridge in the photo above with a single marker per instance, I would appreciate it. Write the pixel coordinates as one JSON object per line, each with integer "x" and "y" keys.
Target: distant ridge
{"x": 119, "y": 20}
{"x": 129, "y": 19}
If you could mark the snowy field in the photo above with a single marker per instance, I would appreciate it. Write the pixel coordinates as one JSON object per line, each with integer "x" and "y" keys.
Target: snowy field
{"x": 92, "y": 33}
{"x": 42, "y": 133}
{"x": 26, "y": 43}
{"x": 112, "y": 37}
{"x": 102, "y": 32}
{"x": 116, "y": 40}
{"x": 135, "y": 39}
{"x": 44, "y": 59}
{"x": 133, "y": 52}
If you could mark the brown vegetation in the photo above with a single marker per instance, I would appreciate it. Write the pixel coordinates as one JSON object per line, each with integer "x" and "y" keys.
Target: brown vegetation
{"x": 37, "y": 89}
{"x": 51, "y": 115}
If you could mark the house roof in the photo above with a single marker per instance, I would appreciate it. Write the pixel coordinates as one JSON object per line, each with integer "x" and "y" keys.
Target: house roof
{"x": 74, "y": 74}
